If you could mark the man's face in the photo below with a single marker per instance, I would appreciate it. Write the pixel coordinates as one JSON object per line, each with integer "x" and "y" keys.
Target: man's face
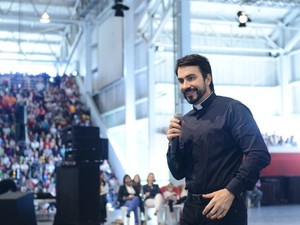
{"x": 192, "y": 85}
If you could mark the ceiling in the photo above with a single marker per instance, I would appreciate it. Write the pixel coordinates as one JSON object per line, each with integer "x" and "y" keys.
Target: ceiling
{"x": 274, "y": 26}
{"x": 24, "y": 38}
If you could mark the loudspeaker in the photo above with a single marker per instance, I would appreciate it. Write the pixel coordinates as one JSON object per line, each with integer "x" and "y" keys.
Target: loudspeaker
{"x": 104, "y": 148}
{"x": 17, "y": 208}
{"x": 20, "y": 134}
{"x": 82, "y": 142}
{"x": 293, "y": 189}
{"x": 77, "y": 194}
{"x": 20, "y": 114}
{"x": 70, "y": 132}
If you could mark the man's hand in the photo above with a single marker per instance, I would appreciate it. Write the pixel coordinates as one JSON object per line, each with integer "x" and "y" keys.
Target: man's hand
{"x": 174, "y": 129}
{"x": 219, "y": 204}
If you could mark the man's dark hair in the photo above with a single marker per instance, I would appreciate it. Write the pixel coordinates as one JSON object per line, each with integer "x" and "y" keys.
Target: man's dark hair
{"x": 196, "y": 60}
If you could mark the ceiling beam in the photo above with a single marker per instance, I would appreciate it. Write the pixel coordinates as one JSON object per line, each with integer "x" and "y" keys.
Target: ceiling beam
{"x": 28, "y": 53}
{"x": 27, "y": 30}
{"x": 40, "y": 41}
{"x": 31, "y": 61}
{"x": 292, "y": 42}
{"x": 65, "y": 3}
{"x": 54, "y": 20}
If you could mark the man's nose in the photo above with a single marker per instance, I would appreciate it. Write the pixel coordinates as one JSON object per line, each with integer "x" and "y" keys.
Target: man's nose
{"x": 185, "y": 85}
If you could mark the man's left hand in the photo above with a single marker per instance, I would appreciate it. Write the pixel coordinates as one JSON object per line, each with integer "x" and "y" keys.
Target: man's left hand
{"x": 219, "y": 204}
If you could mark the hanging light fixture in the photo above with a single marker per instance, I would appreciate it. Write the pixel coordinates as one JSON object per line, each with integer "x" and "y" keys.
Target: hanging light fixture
{"x": 45, "y": 18}
{"x": 243, "y": 18}
{"x": 119, "y": 7}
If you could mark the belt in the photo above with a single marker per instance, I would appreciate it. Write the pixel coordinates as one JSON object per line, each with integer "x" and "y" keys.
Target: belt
{"x": 197, "y": 198}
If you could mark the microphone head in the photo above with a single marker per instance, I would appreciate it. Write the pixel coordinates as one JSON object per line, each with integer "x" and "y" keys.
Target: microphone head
{"x": 178, "y": 116}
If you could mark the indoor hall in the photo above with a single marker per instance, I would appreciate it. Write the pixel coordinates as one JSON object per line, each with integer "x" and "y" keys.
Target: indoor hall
{"x": 110, "y": 65}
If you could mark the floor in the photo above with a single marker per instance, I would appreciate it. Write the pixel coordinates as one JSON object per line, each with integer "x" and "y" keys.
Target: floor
{"x": 265, "y": 215}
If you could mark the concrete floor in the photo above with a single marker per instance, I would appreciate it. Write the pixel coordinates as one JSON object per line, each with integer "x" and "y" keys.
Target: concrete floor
{"x": 265, "y": 215}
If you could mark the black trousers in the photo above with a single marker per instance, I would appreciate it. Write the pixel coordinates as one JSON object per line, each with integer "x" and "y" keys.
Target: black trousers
{"x": 192, "y": 213}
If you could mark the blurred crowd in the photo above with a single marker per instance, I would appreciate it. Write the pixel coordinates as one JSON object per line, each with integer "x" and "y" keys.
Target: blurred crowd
{"x": 279, "y": 140}
{"x": 34, "y": 110}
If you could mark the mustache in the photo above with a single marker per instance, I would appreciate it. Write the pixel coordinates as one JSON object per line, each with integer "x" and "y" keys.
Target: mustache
{"x": 189, "y": 89}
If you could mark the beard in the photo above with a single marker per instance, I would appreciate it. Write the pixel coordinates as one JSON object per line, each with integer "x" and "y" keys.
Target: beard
{"x": 189, "y": 94}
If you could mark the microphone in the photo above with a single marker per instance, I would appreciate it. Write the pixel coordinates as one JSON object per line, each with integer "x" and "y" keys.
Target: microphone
{"x": 175, "y": 141}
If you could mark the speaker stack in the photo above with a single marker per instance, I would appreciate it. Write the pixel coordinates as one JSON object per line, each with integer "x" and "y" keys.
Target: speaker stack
{"x": 20, "y": 121}
{"x": 17, "y": 208}
{"x": 82, "y": 143}
{"x": 77, "y": 178}
{"x": 77, "y": 194}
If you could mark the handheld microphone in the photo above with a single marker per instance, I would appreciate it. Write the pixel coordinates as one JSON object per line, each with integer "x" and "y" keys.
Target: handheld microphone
{"x": 175, "y": 141}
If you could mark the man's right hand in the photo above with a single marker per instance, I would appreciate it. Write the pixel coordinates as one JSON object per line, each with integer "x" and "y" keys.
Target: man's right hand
{"x": 174, "y": 129}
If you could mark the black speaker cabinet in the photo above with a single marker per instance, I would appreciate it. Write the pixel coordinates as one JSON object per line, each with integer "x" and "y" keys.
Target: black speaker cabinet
{"x": 17, "y": 208}
{"x": 20, "y": 114}
{"x": 104, "y": 148}
{"x": 83, "y": 143}
{"x": 71, "y": 132}
{"x": 293, "y": 189}
{"x": 77, "y": 194}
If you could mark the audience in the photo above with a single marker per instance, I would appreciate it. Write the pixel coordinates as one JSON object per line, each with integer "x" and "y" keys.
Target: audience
{"x": 128, "y": 196}
{"x": 255, "y": 195}
{"x": 170, "y": 196}
{"x": 136, "y": 182}
{"x": 278, "y": 140}
{"x": 30, "y": 156}
{"x": 103, "y": 197}
{"x": 153, "y": 197}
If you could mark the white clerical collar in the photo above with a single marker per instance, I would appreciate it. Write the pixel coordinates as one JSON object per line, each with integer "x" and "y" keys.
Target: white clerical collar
{"x": 199, "y": 106}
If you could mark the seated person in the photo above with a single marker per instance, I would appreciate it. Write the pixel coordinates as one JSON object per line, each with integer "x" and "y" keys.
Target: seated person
{"x": 183, "y": 194}
{"x": 153, "y": 197}
{"x": 170, "y": 196}
{"x": 136, "y": 182}
{"x": 128, "y": 196}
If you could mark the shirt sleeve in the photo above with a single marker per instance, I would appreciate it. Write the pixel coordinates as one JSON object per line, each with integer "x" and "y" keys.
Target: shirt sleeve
{"x": 256, "y": 156}
{"x": 176, "y": 163}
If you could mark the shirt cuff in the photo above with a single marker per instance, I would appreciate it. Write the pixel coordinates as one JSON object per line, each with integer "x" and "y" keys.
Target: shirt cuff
{"x": 236, "y": 187}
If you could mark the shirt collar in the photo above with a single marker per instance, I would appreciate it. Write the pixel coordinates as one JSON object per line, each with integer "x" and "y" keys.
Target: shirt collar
{"x": 206, "y": 102}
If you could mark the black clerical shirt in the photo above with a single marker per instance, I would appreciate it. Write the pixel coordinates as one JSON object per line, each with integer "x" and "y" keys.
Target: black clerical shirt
{"x": 220, "y": 147}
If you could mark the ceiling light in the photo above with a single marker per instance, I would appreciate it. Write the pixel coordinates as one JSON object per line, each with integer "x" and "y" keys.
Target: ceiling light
{"x": 45, "y": 18}
{"x": 243, "y": 18}
{"x": 119, "y": 7}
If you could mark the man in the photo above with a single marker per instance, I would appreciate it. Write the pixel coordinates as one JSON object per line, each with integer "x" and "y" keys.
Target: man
{"x": 220, "y": 152}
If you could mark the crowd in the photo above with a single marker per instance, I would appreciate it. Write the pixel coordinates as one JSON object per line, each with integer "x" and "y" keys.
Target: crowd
{"x": 279, "y": 140}
{"x": 31, "y": 144}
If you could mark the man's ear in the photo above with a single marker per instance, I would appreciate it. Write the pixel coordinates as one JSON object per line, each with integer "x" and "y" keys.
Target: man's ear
{"x": 208, "y": 79}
